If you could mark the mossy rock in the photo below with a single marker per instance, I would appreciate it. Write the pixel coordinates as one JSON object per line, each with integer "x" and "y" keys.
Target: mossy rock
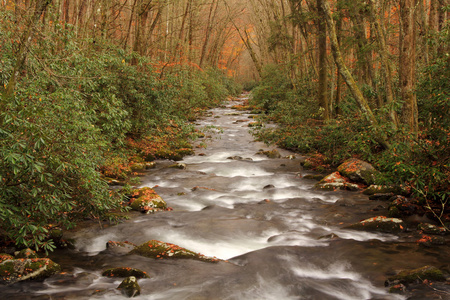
{"x": 379, "y": 224}
{"x": 410, "y": 276}
{"x": 271, "y": 153}
{"x": 129, "y": 287}
{"x": 432, "y": 229}
{"x": 119, "y": 248}
{"x": 161, "y": 250}
{"x": 137, "y": 167}
{"x": 14, "y": 270}
{"x": 335, "y": 181}
{"x": 383, "y": 189}
{"x": 146, "y": 199}
{"x": 178, "y": 166}
{"x": 358, "y": 171}
{"x": 125, "y": 272}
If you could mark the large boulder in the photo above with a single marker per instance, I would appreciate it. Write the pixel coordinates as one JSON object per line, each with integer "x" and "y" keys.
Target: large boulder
{"x": 335, "y": 181}
{"x": 161, "y": 250}
{"x": 20, "y": 269}
{"x": 379, "y": 224}
{"x": 358, "y": 171}
{"x": 146, "y": 200}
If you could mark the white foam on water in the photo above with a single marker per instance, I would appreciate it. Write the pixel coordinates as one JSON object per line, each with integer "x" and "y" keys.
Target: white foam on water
{"x": 94, "y": 245}
{"x": 236, "y": 171}
{"x": 264, "y": 289}
{"x": 337, "y": 280}
{"x": 222, "y": 247}
{"x": 364, "y": 235}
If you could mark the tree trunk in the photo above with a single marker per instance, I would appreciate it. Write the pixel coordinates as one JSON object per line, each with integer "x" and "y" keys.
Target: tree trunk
{"x": 322, "y": 62}
{"x": 23, "y": 49}
{"x": 384, "y": 54}
{"x": 354, "y": 89}
{"x": 407, "y": 70}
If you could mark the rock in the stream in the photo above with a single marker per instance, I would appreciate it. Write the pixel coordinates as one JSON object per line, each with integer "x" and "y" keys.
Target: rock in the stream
{"x": 402, "y": 206}
{"x": 13, "y": 270}
{"x": 180, "y": 166}
{"x": 125, "y": 272}
{"x": 335, "y": 181}
{"x": 119, "y": 248}
{"x": 380, "y": 224}
{"x": 146, "y": 200}
{"x": 383, "y": 189}
{"x": 432, "y": 229}
{"x": 358, "y": 171}
{"x": 129, "y": 287}
{"x": 270, "y": 153}
{"x": 161, "y": 250}
{"x": 417, "y": 275}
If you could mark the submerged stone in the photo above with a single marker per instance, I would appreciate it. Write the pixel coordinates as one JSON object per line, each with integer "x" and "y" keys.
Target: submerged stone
{"x": 380, "y": 224}
{"x": 129, "y": 287}
{"x": 119, "y": 248}
{"x": 161, "y": 250}
{"x": 125, "y": 272}
{"x": 271, "y": 153}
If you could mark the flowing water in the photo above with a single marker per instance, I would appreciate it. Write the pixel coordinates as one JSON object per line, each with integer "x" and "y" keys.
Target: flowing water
{"x": 275, "y": 233}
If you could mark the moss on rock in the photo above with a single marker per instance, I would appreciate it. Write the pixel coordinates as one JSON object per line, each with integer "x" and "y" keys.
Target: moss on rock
{"x": 420, "y": 274}
{"x": 358, "y": 171}
{"x": 146, "y": 200}
{"x": 160, "y": 250}
{"x": 129, "y": 287}
{"x": 14, "y": 270}
{"x": 379, "y": 224}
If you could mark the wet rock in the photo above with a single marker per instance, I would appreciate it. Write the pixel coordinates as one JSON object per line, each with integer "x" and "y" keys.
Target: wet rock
{"x": 330, "y": 236}
{"x": 402, "y": 206}
{"x": 335, "y": 181}
{"x": 26, "y": 253}
{"x": 358, "y": 171}
{"x": 383, "y": 189}
{"x": 432, "y": 229}
{"x": 150, "y": 165}
{"x": 271, "y": 153}
{"x": 137, "y": 167}
{"x": 269, "y": 186}
{"x": 379, "y": 224}
{"x": 125, "y": 272}
{"x": 21, "y": 269}
{"x": 161, "y": 250}
{"x": 235, "y": 157}
{"x": 129, "y": 287}
{"x": 397, "y": 289}
{"x": 146, "y": 200}
{"x": 178, "y": 166}
{"x": 429, "y": 273}
{"x": 291, "y": 157}
{"x": 119, "y": 248}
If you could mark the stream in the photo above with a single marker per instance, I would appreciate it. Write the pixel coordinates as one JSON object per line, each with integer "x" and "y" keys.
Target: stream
{"x": 278, "y": 237}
